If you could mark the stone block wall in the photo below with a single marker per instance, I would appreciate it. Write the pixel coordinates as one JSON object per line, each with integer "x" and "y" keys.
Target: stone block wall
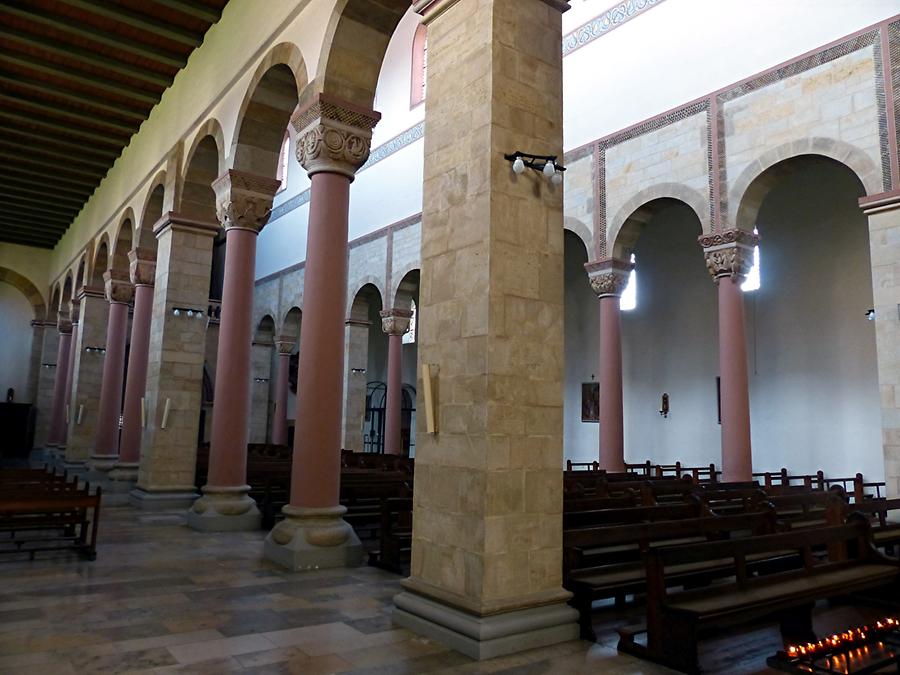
{"x": 87, "y": 377}
{"x": 46, "y": 379}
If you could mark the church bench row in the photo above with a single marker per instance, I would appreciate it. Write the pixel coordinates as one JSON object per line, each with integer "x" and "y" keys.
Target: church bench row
{"x": 394, "y": 535}
{"x": 676, "y": 619}
{"x": 45, "y": 512}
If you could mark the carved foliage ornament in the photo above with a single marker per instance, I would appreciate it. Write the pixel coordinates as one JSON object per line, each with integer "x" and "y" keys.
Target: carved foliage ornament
{"x": 244, "y": 200}
{"x": 333, "y": 137}
{"x": 608, "y": 277}
{"x": 118, "y": 287}
{"x": 142, "y": 266}
{"x": 284, "y": 345}
{"x": 396, "y": 321}
{"x": 729, "y": 253}
{"x": 64, "y": 324}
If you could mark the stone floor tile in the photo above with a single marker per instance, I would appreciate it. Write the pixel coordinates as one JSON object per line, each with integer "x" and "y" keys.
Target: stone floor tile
{"x": 381, "y": 655}
{"x": 168, "y": 640}
{"x": 195, "y": 652}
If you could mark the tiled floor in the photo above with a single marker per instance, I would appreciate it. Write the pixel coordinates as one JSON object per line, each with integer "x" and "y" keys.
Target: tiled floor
{"x": 162, "y": 598}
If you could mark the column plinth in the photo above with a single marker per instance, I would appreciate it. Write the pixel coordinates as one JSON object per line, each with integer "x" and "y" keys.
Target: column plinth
{"x": 119, "y": 294}
{"x": 608, "y": 279}
{"x": 334, "y": 141}
{"x": 395, "y": 323}
{"x": 729, "y": 257}
{"x": 142, "y": 270}
{"x": 243, "y": 204}
{"x": 285, "y": 347}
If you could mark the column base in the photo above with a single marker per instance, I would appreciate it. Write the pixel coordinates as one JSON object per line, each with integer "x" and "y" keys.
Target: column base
{"x": 486, "y": 637}
{"x": 125, "y": 472}
{"x": 313, "y": 538}
{"x": 162, "y": 500}
{"x": 224, "y": 509}
{"x": 102, "y": 463}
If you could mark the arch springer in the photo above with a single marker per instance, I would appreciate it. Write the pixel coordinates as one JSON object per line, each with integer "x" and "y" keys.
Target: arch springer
{"x": 608, "y": 277}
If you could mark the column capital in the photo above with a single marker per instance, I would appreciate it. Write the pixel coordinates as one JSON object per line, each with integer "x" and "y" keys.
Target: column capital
{"x": 89, "y": 292}
{"x": 244, "y": 200}
{"x": 608, "y": 277}
{"x": 396, "y": 321}
{"x": 285, "y": 344}
{"x": 728, "y": 253}
{"x": 142, "y": 266}
{"x": 334, "y": 136}
{"x": 177, "y": 221}
{"x": 431, "y": 9}
{"x": 64, "y": 324}
{"x": 118, "y": 287}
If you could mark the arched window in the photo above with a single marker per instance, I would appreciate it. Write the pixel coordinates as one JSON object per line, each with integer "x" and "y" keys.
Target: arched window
{"x": 410, "y": 336}
{"x": 419, "y": 66}
{"x": 283, "y": 156}
{"x": 752, "y": 282}
{"x": 628, "y": 301}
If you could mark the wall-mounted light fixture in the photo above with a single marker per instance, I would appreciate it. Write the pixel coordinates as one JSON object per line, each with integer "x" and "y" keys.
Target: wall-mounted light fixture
{"x": 358, "y": 370}
{"x": 95, "y": 350}
{"x": 545, "y": 164}
{"x": 260, "y": 379}
{"x": 188, "y": 312}
{"x": 870, "y": 315}
{"x": 48, "y": 365}
{"x": 664, "y": 406}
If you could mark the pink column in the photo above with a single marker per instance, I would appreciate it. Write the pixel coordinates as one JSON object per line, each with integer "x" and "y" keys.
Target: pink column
{"x": 70, "y": 380}
{"x": 612, "y": 425}
{"x": 106, "y": 450}
{"x": 243, "y": 202}
{"x": 135, "y": 385}
{"x": 313, "y": 533}
{"x": 729, "y": 256}
{"x": 57, "y": 433}
{"x": 737, "y": 459}
{"x": 394, "y": 322}
{"x": 608, "y": 278}
{"x": 316, "y": 470}
{"x": 285, "y": 348}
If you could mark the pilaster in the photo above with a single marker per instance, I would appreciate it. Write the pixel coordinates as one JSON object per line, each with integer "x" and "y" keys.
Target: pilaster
{"x": 46, "y": 376}
{"x": 356, "y": 362}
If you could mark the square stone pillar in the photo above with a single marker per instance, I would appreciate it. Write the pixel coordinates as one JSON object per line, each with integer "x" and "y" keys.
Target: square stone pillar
{"x": 46, "y": 378}
{"x": 88, "y": 355}
{"x": 883, "y": 212}
{"x": 486, "y": 574}
{"x": 356, "y": 361}
{"x": 175, "y": 363}
{"x": 261, "y": 371}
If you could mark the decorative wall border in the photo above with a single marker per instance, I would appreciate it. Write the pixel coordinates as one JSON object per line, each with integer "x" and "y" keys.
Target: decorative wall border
{"x": 617, "y": 15}
{"x": 892, "y": 37}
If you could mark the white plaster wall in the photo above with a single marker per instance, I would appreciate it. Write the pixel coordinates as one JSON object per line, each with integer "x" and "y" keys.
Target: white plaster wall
{"x": 683, "y": 49}
{"x": 15, "y": 336}
{"x": 32, "y": 263}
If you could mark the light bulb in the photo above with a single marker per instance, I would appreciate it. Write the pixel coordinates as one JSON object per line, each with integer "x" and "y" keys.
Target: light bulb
{"x": 557, "y": 178}
{"x": 518, "y": 165}
{"x": 549, "y": 169}
{"x": 177, "y": 312}
{"x": 199, "y": 314}
{"x": 190, "y": 313}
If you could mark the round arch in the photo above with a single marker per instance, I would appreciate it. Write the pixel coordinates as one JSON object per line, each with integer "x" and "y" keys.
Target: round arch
{"x": 270, "y": 100}
{"x": 629, "y": 221}
{"x": 101, "y": 260}
{"x": 758, "y": 179}
{"x": 291, "y": 323}
{"x": 582, "y": 231}
{"x": 355, "y": 23}
{"x": 370, "y": 287}
{"x": 151, "y": 212}
{"x": 122, "y": 242}
{"x": 406, "y": 291}
{"x": 28, "y": 289}
{"x": 204, "y": 162}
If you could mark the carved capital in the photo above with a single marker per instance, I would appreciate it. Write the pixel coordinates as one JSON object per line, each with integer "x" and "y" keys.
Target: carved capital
{"x": 142, "y": 266}
{"x": 244, "y": 200}
{"x": 74, "y": 310}
{"x": 285, "y": 344}
{"x": 64, "y": 324}
{"x": 608, "y": 278}
{"x": 396, "y": 321}
{"x": 728, "y": 253}
{"x": 89, "y": 292}
{"x": 333, "y": 136}
{"x": 118, "y": 287}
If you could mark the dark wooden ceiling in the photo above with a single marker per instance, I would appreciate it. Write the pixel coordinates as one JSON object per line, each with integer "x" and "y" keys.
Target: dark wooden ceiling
{"x": 77, "y": 79}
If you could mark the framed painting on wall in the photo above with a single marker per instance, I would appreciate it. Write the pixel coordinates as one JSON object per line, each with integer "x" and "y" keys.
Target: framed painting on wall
{"x": 590, "y": 402}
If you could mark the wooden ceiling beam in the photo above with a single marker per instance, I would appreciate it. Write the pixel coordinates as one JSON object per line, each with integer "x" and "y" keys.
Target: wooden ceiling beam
{"x": 44, "y": 177}
{"x": 52, "y": 167}
{"x": 56, "y": 142}
{"x": 192, "y": 8}
{"x": 79, "y": 98}
{"x": 24, "y": 240}
{"x": 57, "y": 70}
{"x": 86, "y": 56}
{"x": 18, "y": 183}
{"x": 36, "y": 205}
{"x": 76, "y": 116}
{"x": 27, "y": 225}
{"x": 56, "y": 127}
{"x": 31, "y": 193}
{"x": 67, "y": 157}
{"x": 87, "y": 32}
{"x": 137, "y": 20}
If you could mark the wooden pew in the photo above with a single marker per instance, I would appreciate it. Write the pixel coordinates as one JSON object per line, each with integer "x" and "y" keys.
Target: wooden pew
{"x": 394, "y": 535}
{"x": 606, "y": 562}
{"x": 676, "y": 620}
